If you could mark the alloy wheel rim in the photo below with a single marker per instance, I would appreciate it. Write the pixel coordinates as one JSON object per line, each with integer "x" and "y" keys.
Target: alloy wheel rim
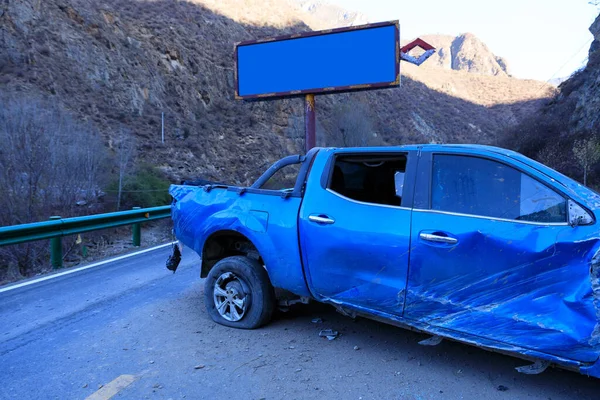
{"x": 231, "y": 297}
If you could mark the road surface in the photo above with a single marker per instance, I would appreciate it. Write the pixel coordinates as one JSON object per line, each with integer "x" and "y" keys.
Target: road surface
{"x": 133, "y": 330}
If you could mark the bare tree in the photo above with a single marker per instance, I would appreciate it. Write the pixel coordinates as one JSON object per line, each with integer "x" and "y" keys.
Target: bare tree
{"x": 587, "y": 153}
{"x": 49, "y": 165}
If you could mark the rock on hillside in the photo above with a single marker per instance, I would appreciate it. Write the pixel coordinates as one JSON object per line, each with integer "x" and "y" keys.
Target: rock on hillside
{"x": 119, "y": 64}
{"x": 466, "y": 53}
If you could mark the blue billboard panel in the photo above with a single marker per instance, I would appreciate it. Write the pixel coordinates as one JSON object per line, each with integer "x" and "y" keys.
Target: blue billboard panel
{"x": 328, "y": 61}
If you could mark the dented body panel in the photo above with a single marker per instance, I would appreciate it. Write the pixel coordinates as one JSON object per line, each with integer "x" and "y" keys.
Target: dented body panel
{"x": 526, "y": 287}
{"x": 269, "y": 222}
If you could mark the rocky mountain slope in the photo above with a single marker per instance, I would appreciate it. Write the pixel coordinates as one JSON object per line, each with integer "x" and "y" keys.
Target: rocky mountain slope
{"x": 573, "y": 114}
{"x": 119, "y": 65}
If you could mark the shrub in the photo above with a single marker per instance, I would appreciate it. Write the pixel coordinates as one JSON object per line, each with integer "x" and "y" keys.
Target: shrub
{"x": 145, "y": 187}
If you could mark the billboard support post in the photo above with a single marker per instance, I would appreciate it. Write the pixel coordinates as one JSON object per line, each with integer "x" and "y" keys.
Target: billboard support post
{"x": 309, "y": 122}
{"x": 353, "y": 58}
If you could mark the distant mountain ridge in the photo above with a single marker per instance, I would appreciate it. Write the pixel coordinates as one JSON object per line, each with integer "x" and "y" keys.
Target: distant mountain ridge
{"x": 327, "y": 16}
{"x": 466, "y": 52}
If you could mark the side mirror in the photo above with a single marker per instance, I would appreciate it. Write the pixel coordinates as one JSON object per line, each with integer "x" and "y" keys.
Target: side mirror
{"x": 578, "y": 215}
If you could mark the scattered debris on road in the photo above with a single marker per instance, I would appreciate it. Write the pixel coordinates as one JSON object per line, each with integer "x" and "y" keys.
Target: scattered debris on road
{"x": 502, "y": 388}
{"x": 356, "y": 348}
{"x": 330, "y": 334}
{"x": 199, "y": 366}
{"x": 432, "y": 341}
{"x": 317, "y": 320}
{"x": 533, "y": 369}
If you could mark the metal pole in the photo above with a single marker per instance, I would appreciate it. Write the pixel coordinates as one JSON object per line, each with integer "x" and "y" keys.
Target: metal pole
{"x": 309, "y": 122}
{"x": 163, "y": 127}
{"x": 56, "y": 248}
{"x": 137, "y": 233}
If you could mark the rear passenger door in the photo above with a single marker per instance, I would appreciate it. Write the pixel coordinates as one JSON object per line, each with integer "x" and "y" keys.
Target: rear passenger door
{"x": 355, "y": 228}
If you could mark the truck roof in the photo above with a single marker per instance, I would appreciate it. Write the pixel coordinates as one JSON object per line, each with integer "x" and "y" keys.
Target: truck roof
{"x": 434, "y": 147}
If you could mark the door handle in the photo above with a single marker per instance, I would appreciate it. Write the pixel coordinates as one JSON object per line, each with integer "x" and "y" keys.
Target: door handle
{"x": 321, "y": 219}
{"x": 437, "y": 238}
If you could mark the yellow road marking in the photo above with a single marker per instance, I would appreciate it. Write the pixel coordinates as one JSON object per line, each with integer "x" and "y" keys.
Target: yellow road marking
{"x": 109, "y": 390}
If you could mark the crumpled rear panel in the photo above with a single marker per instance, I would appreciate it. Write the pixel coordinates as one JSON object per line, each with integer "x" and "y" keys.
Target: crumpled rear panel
{"x": 268, "y": 221}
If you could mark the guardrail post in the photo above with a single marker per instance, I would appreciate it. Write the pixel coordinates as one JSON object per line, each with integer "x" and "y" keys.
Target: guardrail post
{"x": 56, "y": 249}
{"x": 137, "y": 232}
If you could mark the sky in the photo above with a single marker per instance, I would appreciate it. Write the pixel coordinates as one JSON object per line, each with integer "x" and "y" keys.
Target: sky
{"x": 541, "y": 39}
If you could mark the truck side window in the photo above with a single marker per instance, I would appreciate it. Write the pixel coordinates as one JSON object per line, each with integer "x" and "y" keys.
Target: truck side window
{"x": 283, "y": 179}
{"x": 478, "y": 186}
{"x": 377, "y": 179}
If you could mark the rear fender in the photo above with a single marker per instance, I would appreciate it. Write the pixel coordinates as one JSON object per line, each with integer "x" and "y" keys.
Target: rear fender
{"x": 268, "y": 222}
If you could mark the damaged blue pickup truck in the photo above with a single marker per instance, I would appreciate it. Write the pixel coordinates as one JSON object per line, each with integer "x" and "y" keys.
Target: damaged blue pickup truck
{"x": 470, "y": 243}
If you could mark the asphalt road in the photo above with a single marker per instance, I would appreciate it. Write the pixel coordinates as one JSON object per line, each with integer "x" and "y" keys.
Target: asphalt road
{"x": 133, "y": 330}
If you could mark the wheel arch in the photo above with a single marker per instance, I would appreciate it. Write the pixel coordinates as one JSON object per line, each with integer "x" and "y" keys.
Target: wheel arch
{"x": 226, "y": 243}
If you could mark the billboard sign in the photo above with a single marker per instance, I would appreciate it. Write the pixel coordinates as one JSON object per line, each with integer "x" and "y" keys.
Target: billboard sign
{"x": 345, "y": 59}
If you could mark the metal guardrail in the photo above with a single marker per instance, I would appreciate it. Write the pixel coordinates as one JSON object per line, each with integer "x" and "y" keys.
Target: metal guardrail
{"x": 58, "y": 227}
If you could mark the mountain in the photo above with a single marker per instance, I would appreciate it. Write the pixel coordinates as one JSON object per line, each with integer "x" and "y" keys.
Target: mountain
{"x": 466, "y": 52}
{"x": 323, "y": 15}
{"x": 119, "y": 65}
{"x": 571, "y": 116}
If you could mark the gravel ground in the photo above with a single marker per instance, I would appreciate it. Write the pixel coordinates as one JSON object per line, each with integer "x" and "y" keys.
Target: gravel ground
{"x": 142, "y": 332}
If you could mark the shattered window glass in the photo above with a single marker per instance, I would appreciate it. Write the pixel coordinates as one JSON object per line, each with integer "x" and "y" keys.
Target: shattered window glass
{"x": 471, "y": 185}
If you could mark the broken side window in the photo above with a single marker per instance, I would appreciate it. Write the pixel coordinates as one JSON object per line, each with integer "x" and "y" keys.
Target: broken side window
{"x": 377, "y": 179}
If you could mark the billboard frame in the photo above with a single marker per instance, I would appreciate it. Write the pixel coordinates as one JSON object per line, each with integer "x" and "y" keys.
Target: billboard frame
{"x": 336, "y": 89}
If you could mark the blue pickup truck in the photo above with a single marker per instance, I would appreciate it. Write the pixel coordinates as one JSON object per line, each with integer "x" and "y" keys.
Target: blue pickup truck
{"x": 470, "y": 243}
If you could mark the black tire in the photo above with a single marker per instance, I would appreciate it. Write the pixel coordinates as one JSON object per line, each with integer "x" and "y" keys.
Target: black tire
{"x": 246, "y": 281}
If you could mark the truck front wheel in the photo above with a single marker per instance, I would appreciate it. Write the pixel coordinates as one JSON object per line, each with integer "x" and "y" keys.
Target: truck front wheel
{"x": 238, "y": 293}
